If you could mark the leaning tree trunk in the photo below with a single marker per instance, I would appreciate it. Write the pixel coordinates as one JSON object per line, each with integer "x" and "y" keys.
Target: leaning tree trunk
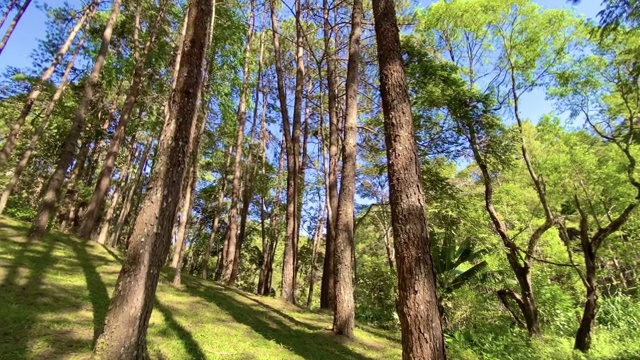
{"x": 5, "y": 15}
{"x": 33, "y": 142}
{"x": 417, "y": 303}
{"x": 13, "y": 25}
{"x": 327, "y": 291}
{"x": 11, "y": 139}
{"x": 127, "y": 201}
{"x": 52, "y": 192}
{"x": 178, "y": 256}
{"x": 124, "y": 335}
{"x": 589, "y": 249}
{"x": 104, "y": 178}
{"x": 344, "y": 311}
{"x": 124, "y": 178}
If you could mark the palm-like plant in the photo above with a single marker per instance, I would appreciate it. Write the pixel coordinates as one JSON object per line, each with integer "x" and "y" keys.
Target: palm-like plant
{"x": 456, "y": 263}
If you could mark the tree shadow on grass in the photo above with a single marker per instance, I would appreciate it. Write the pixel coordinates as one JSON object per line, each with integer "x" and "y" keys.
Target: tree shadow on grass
{"x": 22, "y": 296}
{"x": 278, "y": 312}
{"x": 307, "y": 344}
{"x": 29, "y": 300}
{"x": 97, "y": 289}
{"x": 192, "y": 347}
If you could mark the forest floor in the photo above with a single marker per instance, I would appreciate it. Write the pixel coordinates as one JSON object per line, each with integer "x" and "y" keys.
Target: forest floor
{"x": 54, "y": 296}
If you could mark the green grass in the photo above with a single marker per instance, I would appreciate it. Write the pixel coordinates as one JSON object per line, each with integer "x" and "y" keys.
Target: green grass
{"x": 54, "y": 296}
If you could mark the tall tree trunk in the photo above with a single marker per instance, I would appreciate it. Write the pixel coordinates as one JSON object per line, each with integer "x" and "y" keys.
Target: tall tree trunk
{"x": 314, "y": 254}
{"x": 13, "y": 25}
{"x": 102, "y": 185}
{"x": 268, "y": 251}
{"x": 128, "y": 199}
{"x": 11, "y": 139}
{"x": 178, "y": 255}
{"x": 221, "y": 258}
{"x": 230, "y": 248}
{"x": 54, "y": 186}
{"x": 217, "y": 209}
{"x": 327, "y": 293}
{"x": 250, "y": 172}
{"x": 33, "y": 142}
{"x": 124, "y": 335}
{"x": 182, "y": 227}
{"x": 124, "y": 178}
{"x": 344, "y": 311}
{"x": 417, "y": 303}
{"x": 292, "y": 140}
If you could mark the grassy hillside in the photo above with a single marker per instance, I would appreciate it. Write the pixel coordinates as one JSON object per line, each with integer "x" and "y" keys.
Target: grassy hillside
{"x": 55, "y": 293}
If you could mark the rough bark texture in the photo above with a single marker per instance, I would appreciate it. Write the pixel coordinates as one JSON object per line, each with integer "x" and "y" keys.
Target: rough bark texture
{"x": 54, "y": 186}
{"x": 33, "y": 142}
{"x": 344, "y": 311}
{"x": 13, "y": 24}
{"x": 422, "y": 336}
{"x": 182, "y": 227}
{"x": 124, "y": 335}
{"x": 10, "y": 141}
{"x": 327, "y": 292}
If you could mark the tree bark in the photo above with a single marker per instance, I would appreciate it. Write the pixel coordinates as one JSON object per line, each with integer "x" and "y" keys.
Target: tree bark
{"x": 5, "y": 15}
{"x": 217, "y": 209}
{"x": 33, "y": 142}
{"x": 231, "y": 256}
{"x": 128, "y": 199}
{"x": 54, "y": 185}
{"x": 290, "y": 258}
{"x": 344, "y": 311}
{"x": 314, "y": 254}
{"x": 327, "y": 292}
{"x": 187, "y": 195}
{"x": 124, "y": 335}
{"x": 288, "y": 267}
{"x": 178, "y": 255}
{"x": 122, "y": 183}
{"x": 10, "y": 142}
{"x": 96, "y": 203}
{"x": 521, "y": 266}
{"x": 268, "y": 250}
{"x": 422, "y": 336}
{"x": 13, "y": 25}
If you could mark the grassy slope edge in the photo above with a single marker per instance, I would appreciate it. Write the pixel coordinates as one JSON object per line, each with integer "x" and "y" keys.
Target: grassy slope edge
{"x": 55, "y": 294}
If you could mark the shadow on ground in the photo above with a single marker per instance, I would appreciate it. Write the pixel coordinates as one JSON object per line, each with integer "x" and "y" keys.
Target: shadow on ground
{"x": 303, "y": 339}
{"x": 55, "y": 295}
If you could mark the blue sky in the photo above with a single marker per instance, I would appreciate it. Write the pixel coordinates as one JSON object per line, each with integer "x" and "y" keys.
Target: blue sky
{"x": 32, "y": 26}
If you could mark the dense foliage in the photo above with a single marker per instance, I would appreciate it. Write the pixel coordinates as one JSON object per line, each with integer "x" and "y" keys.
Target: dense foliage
{"x": 532, "y": 220}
